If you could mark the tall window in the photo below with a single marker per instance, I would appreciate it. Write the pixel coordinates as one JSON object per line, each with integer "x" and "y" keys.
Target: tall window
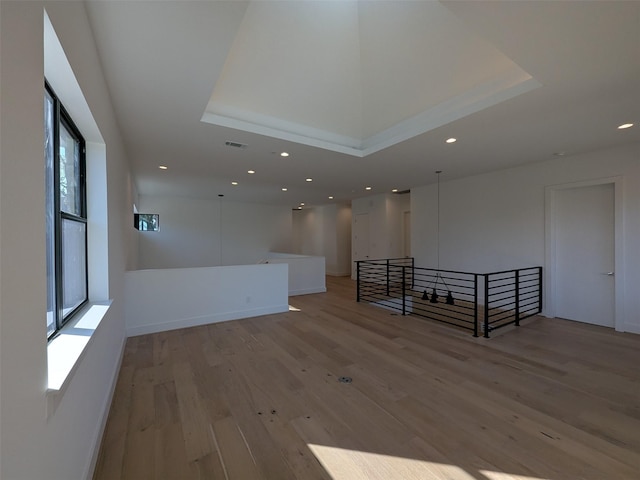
{"x": 66, "y": 214}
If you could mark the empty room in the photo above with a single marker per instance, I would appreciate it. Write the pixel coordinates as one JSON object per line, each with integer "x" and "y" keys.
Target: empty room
{"x": 347, "y": 239}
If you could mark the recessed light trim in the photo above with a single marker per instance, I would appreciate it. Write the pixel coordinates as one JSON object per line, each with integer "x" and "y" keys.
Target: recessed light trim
{"x": 284, "y": 154}
{"x": 395, "y": 190}
{"x": 625, "y": 125}
{"x": 330, "y": 197}
{"x": 451, "y": 140}
{"x": 367, "y": 188}
{"x": 309, "y": 179}
{"x": 163, "y": 167}
{"x": 251, "y": 172}
{"x": 234, "y": 183}
{"x": 284, "y": 189}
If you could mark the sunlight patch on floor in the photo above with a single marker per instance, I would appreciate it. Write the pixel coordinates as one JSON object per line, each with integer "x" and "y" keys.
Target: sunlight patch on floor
{"x": 343, "y": 464}
{"x": 508, "y": 476}
{"x": 294, "y": 309}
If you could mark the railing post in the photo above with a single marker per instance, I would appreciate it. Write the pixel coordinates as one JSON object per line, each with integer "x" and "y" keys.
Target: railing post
{"x": 517, "y": 298}
{"x": 486, "y": 306}
{"x": 358, "y": 281}
{"x": 475, "y": 305}
{"x": 387, "y": 277}
{"x": 404, "y": 300}
{"x": 539, "y": 289}
{"x": 413, "y": 272}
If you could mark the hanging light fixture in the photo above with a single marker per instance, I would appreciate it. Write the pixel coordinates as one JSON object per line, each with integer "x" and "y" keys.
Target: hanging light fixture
{"x": 434, "y": 295}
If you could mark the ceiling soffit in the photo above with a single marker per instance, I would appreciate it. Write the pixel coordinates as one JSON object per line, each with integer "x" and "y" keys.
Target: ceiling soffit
{"x": 357, "y": 77}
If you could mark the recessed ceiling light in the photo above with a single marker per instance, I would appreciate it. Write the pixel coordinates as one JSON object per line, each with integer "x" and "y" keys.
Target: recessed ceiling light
{"x": 163, "y": 167}
{"x": 284, "y": 189}
{"x": 299, "y": 208}
{"x": 625, "y": 125}
{"x": 309, "y": 179}
{"x": 451, "y": 140}
{"x": 234, "y": 183}
{"x": 394, "y": 190}
{"x": 331, "y": 197}
{"x": 284, "y": 154}
{"x": 367, "y": 188}
{"x": 251, "y": 172}
{"x": 302, "y": 204}
{"x": 559, "y": 154}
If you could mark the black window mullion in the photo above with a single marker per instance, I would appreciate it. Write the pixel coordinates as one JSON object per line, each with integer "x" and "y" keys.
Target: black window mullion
{"x": 56, "y": 210}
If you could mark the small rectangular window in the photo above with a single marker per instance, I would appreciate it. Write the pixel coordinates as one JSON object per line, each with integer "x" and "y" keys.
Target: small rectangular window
{"x": 146, "y": 222}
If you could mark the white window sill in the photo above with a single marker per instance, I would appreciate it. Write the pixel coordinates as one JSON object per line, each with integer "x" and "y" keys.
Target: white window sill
{"x": 65, "y": 351}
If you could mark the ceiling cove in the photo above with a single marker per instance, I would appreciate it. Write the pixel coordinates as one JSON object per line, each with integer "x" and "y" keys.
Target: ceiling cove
{"x": 357, "y": 77}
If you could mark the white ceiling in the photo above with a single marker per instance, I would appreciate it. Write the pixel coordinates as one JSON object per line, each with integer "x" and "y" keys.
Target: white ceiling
{"x": 361, "y": 93}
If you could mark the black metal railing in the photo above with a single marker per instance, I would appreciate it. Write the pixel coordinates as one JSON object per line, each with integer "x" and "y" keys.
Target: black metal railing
{"x": 511, "y": 296}
{"x": 466, "y": 300}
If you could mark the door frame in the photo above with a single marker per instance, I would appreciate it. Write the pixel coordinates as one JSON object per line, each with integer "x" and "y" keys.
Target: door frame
{"x": 550, "y": 288}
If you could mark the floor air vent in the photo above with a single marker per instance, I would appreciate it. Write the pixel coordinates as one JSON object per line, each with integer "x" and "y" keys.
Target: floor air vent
{"x": 235, "y": 144}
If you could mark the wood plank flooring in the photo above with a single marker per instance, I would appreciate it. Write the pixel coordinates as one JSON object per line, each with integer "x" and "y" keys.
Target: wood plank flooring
{"x": 260, "y": 399}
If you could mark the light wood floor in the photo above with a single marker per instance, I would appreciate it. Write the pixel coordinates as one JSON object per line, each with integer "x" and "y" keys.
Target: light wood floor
{"x": 260, "y": 399}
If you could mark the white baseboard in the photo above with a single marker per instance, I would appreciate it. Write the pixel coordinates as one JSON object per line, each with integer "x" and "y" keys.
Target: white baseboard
{"x": 106, "y": 407}
{"x": 204, "y": 320}
{"x": 632, "y": 329}
{"x": 344, "y": 273}
{"x": 306, "y": 291}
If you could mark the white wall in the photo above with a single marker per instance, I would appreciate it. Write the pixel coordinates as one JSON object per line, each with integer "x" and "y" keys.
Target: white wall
{"x": 343, "y": 241}
{"x": 306, "y": 273}
{"x": 203, "y": 232}
{"x": 385, "y": 224}
{"x": 166, "y": 299}
{"x": 497, "y": 221}
{"x": 324, "y": 231}
{"x": 308, "y": 236}
{"x": 62, "y": 446}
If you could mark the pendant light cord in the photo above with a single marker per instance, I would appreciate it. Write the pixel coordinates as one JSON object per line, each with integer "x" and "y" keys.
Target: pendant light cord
{"x": 438, "y": 172}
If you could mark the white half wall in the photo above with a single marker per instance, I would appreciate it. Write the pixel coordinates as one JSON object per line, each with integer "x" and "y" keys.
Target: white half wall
{"x": 167, "y": 299}
{"x": 306, "y": 274}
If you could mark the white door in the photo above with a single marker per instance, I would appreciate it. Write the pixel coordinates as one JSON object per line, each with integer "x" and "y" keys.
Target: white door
{"x": 585, "y": 254}
{"x": 361, "y": 237}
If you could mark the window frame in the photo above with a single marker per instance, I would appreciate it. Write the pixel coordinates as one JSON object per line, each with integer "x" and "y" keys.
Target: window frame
{"x": 62, "y": 118}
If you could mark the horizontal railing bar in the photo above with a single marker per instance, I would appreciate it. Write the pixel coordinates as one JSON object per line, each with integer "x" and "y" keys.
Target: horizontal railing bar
{"x": 427, "y": 303}
{"x": 447, "y": 316}
{"x": 527, "y": 310}
{"x": 425, "y": 283}
{"x": 435, "y": 306}
{"x": 505, "y": 313}
{"x": 502, "y": 319}
{"x": 525, "y": 306}
{"x": 450, "y": 323}
{"x": 529, "y": 297}
{"x": 507, "y": 287}
{"x": 503, "y": 325}
{"x": 510, "y": 271}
